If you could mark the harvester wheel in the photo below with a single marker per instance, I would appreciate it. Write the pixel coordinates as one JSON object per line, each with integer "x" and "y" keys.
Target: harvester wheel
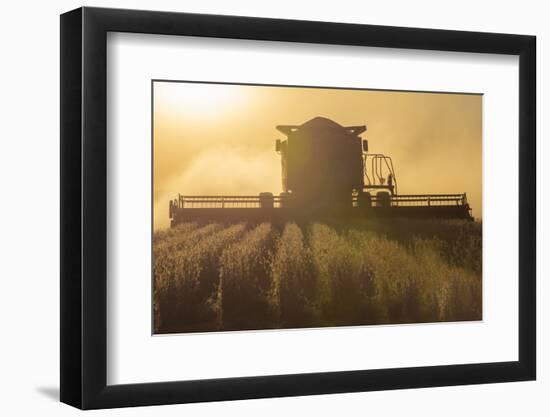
{"x": 364, "y": 199}
{"x": 383, "y": 199}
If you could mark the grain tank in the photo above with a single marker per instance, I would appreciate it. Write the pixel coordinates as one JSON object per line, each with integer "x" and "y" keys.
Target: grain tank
{"x": 322, "y": 163}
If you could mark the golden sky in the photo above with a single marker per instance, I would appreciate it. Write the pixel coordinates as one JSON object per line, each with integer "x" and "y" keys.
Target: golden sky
{"x": 220, "y": 139}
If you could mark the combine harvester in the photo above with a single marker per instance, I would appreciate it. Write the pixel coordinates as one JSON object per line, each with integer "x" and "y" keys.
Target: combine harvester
{"x": 327, "y": 173}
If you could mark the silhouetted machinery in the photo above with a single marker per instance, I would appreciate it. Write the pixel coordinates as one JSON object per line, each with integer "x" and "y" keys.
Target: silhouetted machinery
{"x": 327, "y": 172}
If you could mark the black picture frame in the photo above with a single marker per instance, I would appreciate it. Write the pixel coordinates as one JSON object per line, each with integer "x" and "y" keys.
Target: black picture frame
{"x": 84, "y": 207}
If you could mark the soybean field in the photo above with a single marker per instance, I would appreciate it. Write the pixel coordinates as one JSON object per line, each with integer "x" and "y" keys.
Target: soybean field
{"x": 244, "y": 276}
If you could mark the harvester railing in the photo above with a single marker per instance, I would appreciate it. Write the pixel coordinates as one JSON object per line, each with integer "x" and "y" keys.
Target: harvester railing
{"x": 255, "y": 201}
{"x": 429, "y": 200}
{"x": 226, "y": 201}
{"x": 379, "y": 179}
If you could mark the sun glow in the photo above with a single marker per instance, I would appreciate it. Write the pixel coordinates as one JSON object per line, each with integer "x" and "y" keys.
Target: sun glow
{"x": 197, "y": 98}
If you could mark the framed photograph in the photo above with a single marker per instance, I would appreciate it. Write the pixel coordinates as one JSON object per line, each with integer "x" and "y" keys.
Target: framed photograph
{"x": 257, "y": 208}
